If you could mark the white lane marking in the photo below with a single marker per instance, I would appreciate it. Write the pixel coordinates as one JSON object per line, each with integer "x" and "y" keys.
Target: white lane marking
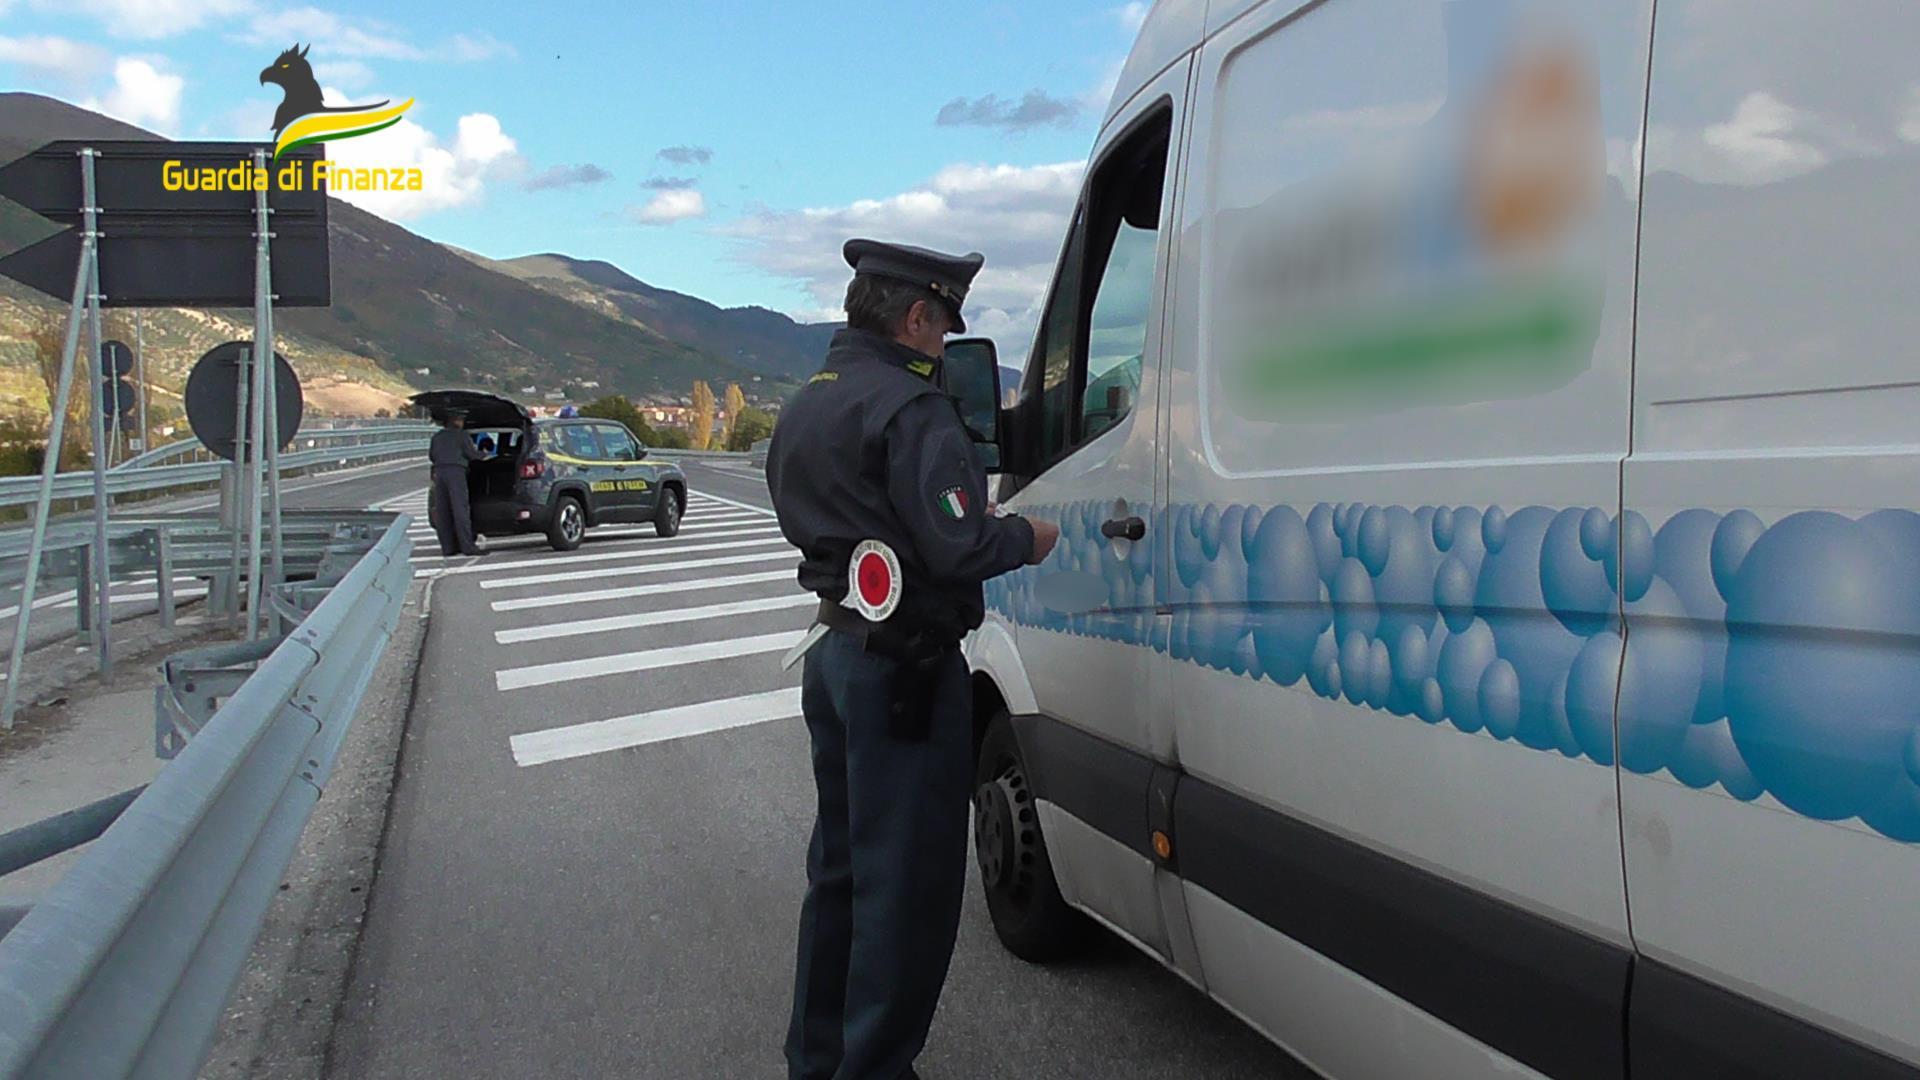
{"x": 647, "y": 568}
{"x": 411, "y": 498}
{"x": 628, "y": 592}
{"x": 765, "y": 536}
{"x": 601, "y": 537}
{"x": 660, "y": 725}
{"x": 742, "y": 506}
{"x": 593, "y": 667}
{"x": 653, "y": 618}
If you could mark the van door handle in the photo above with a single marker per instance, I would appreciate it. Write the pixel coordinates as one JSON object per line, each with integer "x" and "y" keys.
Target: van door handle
{"x": 1130, "y": 528}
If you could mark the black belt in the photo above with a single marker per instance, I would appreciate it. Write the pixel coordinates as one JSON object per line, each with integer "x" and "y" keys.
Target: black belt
{"x": 884, "y": 638}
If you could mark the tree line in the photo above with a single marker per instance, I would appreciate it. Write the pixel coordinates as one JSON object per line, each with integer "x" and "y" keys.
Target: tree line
{"x": 742, "y": 425}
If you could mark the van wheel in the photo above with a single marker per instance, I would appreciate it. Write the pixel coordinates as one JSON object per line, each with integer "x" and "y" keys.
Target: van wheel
{"x": 1029, "y": 915}
{"x": 666, "y": 516}
{"x": 569, "y": 524}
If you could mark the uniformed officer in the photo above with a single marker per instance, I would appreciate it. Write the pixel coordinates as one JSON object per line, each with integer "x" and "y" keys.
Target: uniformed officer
{"x": 871, "y": 449}
{"x": 450, "y": 452}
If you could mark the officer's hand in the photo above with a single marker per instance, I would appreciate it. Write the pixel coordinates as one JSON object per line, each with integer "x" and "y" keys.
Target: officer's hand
{"x": 1045, "y": 535}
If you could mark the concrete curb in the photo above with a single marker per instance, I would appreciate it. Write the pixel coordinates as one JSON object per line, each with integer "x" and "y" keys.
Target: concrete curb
{"x": 281, "y": 1019}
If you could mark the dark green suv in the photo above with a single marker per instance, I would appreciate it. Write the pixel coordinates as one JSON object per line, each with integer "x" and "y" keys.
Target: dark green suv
{"x": 559, "y": 477}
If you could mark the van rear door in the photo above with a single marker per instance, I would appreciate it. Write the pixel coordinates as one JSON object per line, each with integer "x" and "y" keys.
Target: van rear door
{"x": 1770, "y": 708}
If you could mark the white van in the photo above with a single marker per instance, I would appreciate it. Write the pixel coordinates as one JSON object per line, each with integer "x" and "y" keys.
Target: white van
{"x": 1488, "y": 431}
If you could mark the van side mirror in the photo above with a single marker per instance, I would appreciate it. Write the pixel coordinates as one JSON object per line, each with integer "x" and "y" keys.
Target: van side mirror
{"x": 970, "y": 373}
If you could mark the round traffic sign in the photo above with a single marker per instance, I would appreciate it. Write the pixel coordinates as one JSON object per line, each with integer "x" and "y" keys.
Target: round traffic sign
{"x": 116, "y": 359}
{"x": 873, "y": 580}
{"x": 213, "y": 396}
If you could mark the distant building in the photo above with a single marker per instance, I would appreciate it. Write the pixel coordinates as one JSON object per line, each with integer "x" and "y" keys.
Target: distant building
{"x": 416, "y": 371}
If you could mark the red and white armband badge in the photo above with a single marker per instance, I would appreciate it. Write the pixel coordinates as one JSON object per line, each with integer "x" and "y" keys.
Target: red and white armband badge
{"x": 873, "y": 580}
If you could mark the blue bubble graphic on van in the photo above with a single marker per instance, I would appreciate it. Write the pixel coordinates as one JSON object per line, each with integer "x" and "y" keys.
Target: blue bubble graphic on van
{"x": 1781, "y": 658}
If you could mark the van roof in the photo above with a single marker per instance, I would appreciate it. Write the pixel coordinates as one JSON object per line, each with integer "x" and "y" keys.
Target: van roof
{"x": 1171, "y": 28}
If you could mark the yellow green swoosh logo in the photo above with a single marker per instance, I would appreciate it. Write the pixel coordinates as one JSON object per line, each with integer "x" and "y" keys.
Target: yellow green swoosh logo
{"x": 334, "y": 126}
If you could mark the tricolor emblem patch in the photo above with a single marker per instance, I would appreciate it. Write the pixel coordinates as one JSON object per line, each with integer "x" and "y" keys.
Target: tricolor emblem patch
{"x": 954, "y": 502}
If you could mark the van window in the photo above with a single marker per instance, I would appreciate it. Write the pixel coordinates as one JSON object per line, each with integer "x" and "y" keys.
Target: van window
{"x": 1056, "y": 354}
{"x": 1093, "y": 336}
{"x": 617, "y": 444}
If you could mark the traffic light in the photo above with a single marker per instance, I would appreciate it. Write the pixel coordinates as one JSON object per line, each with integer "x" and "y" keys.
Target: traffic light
{"x": 117, "y": 397}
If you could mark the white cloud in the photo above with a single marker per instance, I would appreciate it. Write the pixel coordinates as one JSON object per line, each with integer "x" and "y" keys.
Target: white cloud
{"x": 669, "y": 206}
{"x": 142, "y": 94}
{"x": 332, "y": 35}
{"x": 149, "y": 19}
{"x": 1015, "y": 215}
{"x": 1132, "y": 16}
{"x": 351, "y": 74}
{"x": 472, "y": 48}
{"x": 453, "y": 175}
{"x": 73, "y": 64}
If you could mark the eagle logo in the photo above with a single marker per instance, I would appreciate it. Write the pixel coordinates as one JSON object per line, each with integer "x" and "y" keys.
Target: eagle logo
{"x": 304, "y": 117}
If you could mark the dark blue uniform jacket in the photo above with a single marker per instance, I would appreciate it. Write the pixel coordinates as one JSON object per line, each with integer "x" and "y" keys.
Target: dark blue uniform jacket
{"x": 871, "y": 449}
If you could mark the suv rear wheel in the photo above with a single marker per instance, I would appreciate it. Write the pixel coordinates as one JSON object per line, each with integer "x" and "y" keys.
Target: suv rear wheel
{"x": 569, "y": 524}
{"x": 666, "y": 516}
{"x": 1029, "y": 915}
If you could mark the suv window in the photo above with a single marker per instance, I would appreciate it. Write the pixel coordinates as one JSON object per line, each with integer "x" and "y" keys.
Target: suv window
{"x": 617, "y": 443}
{"x": 1093, "y": 335}
{"x": 577, "y": 440}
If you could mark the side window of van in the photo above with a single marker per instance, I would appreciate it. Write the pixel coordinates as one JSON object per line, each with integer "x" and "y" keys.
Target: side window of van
{"x": 1093, "y": 336}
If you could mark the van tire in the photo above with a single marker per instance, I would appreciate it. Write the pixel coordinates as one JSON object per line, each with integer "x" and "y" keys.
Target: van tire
{"x": 569, "y": 524}
{"x": 1031, "y": 918}
{"x": 666, "y": 516}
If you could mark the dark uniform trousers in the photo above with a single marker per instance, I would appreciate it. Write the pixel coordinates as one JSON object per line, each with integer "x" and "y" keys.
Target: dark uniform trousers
{"x": 887, "y": 865}
{"x": 449, "y": 512}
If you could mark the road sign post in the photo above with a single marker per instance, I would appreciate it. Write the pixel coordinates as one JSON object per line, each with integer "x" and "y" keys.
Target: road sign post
{"x": 140, "y": 369}
{"x": 102, "y": 580}
{"x": 49, "y": 465}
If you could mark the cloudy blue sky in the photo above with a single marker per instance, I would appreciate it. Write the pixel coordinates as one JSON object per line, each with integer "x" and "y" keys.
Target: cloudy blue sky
{"x": 723, "y": 150}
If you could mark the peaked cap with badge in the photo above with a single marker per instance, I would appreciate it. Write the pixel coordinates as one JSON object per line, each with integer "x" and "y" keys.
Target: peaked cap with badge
{"x": 946, "y": 276}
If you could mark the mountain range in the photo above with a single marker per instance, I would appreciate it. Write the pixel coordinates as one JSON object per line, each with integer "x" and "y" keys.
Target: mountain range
{"x": 403, "y": 303}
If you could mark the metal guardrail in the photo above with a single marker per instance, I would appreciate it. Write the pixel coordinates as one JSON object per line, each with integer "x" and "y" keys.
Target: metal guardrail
{"x": 126, "y": 965}
{"x": 23, "y": 490}
{"x": 307, "y": 439}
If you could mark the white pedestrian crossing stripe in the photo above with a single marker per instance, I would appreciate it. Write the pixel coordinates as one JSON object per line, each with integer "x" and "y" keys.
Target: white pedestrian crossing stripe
{"x": 625, "y": 554}
{"x": 525, "y": 580}
{"x": 634, "y": 621}
{"x": 681, "y": 721}
{"x": 630, "y": 592}
{"x": 592, "y": 667}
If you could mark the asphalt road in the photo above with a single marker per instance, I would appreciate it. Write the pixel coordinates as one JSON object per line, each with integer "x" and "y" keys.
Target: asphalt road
{"x": 594, "y": 862}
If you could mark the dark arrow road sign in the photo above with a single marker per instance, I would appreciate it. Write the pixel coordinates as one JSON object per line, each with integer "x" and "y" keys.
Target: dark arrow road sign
{"x": 177, "y": 223}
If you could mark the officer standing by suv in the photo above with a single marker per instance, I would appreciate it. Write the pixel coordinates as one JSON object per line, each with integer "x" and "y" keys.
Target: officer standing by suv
{"x": 450, "y": 453}
{"x": 872, "y": 449}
